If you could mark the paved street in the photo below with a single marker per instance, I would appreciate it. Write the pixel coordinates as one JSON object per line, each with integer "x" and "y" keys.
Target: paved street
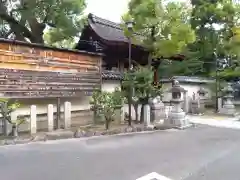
{"x": 202, "y": 153}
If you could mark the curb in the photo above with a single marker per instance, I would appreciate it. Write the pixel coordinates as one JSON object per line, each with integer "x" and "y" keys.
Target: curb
{"x": 15, "y": 142}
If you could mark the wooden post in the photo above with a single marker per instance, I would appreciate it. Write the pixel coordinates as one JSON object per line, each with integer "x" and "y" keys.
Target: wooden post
{"x": 57, "y": 121}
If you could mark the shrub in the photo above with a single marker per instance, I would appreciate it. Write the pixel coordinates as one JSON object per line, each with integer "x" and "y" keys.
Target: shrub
{"x": 105, "y": 103}
{"x": 8, "y": 106}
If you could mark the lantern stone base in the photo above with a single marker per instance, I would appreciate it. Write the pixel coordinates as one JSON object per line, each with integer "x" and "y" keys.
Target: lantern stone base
{"x": 177, "y": 119}
{"x": 228, "y": 110}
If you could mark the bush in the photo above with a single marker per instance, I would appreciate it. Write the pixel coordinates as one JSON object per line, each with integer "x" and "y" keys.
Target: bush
{"x": 105, "y": 103}
{"x": 8, "y": 106}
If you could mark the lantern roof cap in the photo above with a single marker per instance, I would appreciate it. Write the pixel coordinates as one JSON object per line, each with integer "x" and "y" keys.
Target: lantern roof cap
{"x": 177, "y": 88}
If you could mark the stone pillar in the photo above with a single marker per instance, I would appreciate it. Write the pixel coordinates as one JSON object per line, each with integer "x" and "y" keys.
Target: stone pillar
{"x": 228, "y": 107}
{"x": 185, "y": 102}
{"x": 122, "y": 115}
{"x": 67, "y": 115}
{"x": 33, "y": 119}
{"x": 177, "y": 117}
{"x": 220, "y": 103}
{"x": 157, "y": 110}
{"x": 147, "y": 119}
{"x": 202, "y": 92}
{"x": 50, "y": 117}
{"x": 195, "y": 105}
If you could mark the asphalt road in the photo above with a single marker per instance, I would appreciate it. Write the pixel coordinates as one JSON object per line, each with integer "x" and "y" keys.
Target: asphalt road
{"x": 202, "y": 153}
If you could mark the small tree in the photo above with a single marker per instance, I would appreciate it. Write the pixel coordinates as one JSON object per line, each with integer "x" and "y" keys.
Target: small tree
{"x": 126, "y": 84}
{"x": 142, "y": 82}
{"x": 95, "y": 102}
{"x": 108, "y": 108}
{"x": 105, "y": 103}
{"x": 8, "y": 106}
{"x": 118, "y": 97}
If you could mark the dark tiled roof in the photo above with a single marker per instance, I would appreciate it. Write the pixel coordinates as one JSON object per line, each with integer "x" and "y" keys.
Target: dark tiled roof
{"x": 112, "y": 75}
{"x": 107, "y": 30}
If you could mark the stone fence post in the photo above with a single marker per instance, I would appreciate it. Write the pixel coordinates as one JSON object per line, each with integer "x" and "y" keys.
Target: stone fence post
{"x": 33, "y": 119}
{"x": 67, "y": 115}
{"x": 185, "y": 102}
{"x": 50, "y": 117}
{"x": 202, "y": 98}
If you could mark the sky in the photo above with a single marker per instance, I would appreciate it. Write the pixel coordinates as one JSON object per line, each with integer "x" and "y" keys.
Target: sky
{"x": 108, "y": 9}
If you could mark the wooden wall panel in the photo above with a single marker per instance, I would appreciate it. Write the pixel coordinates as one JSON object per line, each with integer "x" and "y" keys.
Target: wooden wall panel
{"x": 35, "y": 72}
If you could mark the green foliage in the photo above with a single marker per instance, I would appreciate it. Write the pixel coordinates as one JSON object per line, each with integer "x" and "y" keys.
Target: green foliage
{"x": 233, "y": 45}
{"x": 68, "y": 43}
{"x": 169, "y": 28}
{"x": 95, "y": 102}
{"x": 118, "y": 97}
{"x": 96, "y": 99}
{"x": 8, "y": 106}
{"x": 28, "y": 19}
{"x": 141, "y": 80}
{"x": 105, "y": 103}
{"x": 213, "y": 22}
{"x": 188, "y": 67}
{"x": 213, "y": 87}
{"x": 164, "y": 28}
{"x": 108, "y": 107}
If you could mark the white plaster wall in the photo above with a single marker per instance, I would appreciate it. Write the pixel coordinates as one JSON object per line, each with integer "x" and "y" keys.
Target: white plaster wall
{"x": 110, "y": 85}
{"x": 80, "y": 110}
{"x": 78, "y": 103}
{"x": 82, "y": 103}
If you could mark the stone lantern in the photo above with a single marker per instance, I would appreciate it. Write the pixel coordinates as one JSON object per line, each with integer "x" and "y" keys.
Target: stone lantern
{"x": 202, "y": 98}
{"x": 195, "y": 105}
{"x": 157, "y": 110}
{"x": 202, "y": 93}
{"x": 228, "y": 106}
{"x": 177, "y": 117}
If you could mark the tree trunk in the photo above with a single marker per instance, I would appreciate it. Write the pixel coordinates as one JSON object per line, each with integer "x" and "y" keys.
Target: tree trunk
{"x": 20, "y": 29}
{"x": 5, "y": 128}
{"x": 95, "y": 117}
{"x": 142, "y": 113}
{"x": 107, "y": 122}
{"x": 36, "y": 30}
{"x": 14, "y": 132}
{"x": 136, "y": 111}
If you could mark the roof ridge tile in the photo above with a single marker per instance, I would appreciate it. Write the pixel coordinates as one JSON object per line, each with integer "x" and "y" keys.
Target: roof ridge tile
{"x": 105, "y": 22}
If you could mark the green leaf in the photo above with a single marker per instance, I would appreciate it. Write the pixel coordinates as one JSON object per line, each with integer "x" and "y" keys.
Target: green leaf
{"x": 60, "y": 20}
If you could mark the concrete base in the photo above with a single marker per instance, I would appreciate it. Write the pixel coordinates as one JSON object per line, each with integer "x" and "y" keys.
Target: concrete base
{"x": 177, "y": 120}
{"x": 228, "y": 109}
{"x": 185, "y": 127}
{"x": 150, "y": 126}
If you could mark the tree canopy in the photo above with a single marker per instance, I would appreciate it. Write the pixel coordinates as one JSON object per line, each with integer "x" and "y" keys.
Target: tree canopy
{"x": 213, "y": 22}
{"x": 195, "y": 30}
{"x": 27, "y": 20}
{"x": 163, "y": 26}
